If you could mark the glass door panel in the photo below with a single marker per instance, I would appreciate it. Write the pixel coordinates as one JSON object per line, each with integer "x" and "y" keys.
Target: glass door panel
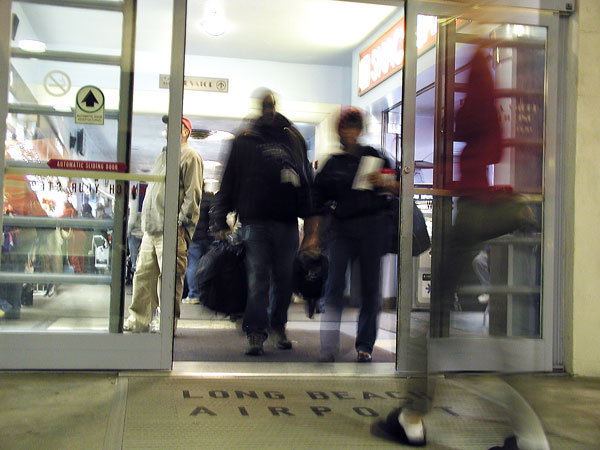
{"x": 487, "y": 271}
{"x": 68, "y": 182}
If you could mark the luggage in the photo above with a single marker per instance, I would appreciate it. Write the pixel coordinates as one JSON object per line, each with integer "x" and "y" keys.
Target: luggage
{"x": 221, "y": 278}
{"x": 310, "y": 275}
{"x": 421, "y": 241}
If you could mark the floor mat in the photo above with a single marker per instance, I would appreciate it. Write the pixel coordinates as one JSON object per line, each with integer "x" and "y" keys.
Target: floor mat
{"x": 297, "y": 413}
{"x": 207, "y": 344}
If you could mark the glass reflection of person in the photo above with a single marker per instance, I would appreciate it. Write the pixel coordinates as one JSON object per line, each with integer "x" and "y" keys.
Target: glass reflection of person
{"x": 478, "y": 125}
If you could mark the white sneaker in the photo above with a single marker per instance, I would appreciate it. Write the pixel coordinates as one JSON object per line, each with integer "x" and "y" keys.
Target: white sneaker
{"x": 413, "y": 429}
{"x": 191, "y": 301}
{"x": 133, "y": 326}
{"x": 155, "y": 325}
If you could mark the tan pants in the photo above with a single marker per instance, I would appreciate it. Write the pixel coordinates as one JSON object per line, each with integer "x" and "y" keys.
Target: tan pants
{"x": 148, "y": 276}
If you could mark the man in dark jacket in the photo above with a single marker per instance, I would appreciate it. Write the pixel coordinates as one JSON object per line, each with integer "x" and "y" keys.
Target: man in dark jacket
{"x": 267, "y": 181}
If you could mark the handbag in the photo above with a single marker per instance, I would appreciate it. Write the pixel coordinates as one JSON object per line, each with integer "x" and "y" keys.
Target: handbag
{"x": 421, "y": 241}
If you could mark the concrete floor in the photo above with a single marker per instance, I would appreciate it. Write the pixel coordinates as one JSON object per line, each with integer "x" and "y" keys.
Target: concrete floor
{"x": 145, "y": 410}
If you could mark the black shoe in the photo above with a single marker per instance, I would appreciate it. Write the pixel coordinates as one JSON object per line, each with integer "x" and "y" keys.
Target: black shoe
{"x": 311, "y": 304}
{"x": 281, "y": 340}
{"x": 393, "y": 427}
{"x": 363, "y": 356}
{"x": 509, "y": 444}
{"x": 255, "y": 345}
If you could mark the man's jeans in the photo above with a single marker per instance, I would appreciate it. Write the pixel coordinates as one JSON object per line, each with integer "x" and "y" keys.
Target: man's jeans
{"x": 134, "y": 249}
{"x": 270, "y": 251}
{"x": 360, "y": 238}
{"x": 197, "y": 250}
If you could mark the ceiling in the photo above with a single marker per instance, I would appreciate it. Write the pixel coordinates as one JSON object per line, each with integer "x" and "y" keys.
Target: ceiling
{"x": 296, "y": 31}
{"x": 323, "y": 32}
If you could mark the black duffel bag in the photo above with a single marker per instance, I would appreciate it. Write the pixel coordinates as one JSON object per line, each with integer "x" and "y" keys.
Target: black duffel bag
{"x": 221, "y": 278}
{"x": 309, "y": 278}
{"x": 421, "y": 241}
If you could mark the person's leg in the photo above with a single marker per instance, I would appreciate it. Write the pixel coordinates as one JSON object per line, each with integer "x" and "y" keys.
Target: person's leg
{"x": 194, "y": 255}
{"x": 181, "y": 266}
{"x": 481, "y": 268}
{"x": 134, "y": 249}
{"x": 369, "y": 244}
{"x": 13, "y": 291}
{"x": 284, "y": 247}
{"x": 145, "y": 295}
{"x": 256, "y": 239}
{"x": 339, "y": 256}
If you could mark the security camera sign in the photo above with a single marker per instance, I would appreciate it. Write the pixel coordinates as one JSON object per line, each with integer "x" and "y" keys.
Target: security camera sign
{"x": 89, "y": 108}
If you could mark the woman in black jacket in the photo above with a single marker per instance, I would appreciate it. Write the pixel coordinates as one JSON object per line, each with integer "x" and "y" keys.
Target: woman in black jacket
{"x": 356, "y": 231}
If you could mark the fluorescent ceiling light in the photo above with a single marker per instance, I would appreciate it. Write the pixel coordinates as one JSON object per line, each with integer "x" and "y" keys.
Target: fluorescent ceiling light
{"x": 32, "y": 45}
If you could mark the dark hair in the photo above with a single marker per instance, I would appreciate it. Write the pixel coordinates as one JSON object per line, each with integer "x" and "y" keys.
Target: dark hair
{"x": 350, "y": 117}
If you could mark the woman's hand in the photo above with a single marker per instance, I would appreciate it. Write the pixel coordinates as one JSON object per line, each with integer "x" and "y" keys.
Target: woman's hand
{"x": 377, "y": 179}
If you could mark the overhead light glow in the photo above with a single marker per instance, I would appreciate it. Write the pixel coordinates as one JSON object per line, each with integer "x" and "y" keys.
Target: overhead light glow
{"x": 219, "y": 136}
{"x": 211, "y": 164}
{"x": 62, "y": 108}
{"x": 213, "y": 22}
{"x": 32, "y": 45}
{"x": 518, "y": 30}
{"x": 353, "y": 22}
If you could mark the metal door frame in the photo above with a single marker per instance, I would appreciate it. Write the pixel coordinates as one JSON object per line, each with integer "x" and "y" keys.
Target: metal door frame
{"x": 113, "y": 350}
{"x": 480, "y": 353}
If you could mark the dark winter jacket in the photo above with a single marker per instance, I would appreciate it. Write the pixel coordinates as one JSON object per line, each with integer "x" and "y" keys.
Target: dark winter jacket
{"x": 201, "y": 232}
{"x": 267, "y": 177}
{"x": 333, "y": 186}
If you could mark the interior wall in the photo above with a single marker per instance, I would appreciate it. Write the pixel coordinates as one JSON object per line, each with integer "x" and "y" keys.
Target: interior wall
{"x": 582, "y": 315}
{"x": 292, "y": 82}
{"x": 387, "y": 93}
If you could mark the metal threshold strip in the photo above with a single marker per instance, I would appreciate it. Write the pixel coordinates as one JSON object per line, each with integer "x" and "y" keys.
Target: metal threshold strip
{"x": 198, "y": 369}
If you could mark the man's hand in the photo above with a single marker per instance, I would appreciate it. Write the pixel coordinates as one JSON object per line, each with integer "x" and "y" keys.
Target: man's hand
{"x": 222, "y": 235}
{"x": 310, "y": 242}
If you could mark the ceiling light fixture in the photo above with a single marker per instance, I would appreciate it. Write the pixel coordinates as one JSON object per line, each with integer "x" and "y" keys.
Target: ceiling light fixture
{"x": 213, "y": 23}
{"x": 32, "y": 45}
